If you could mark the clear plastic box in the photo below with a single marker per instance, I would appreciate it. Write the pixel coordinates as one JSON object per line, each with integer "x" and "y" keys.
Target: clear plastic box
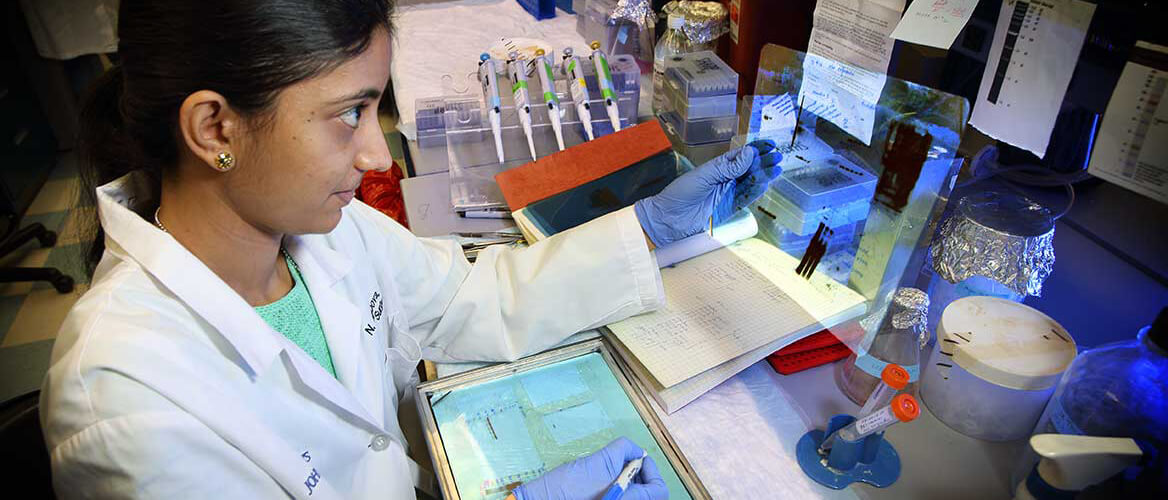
{"x": 699, "y": 107}
{"x": 700, "y": 153}
{"x": 428, "y": 116}
{"x": 429, "y": 112}
{"x": 830, "y": 182}
{"x": 795, "y": 244}
{"x": 776, "y": 208}
{"x": 701, "y": 74}
{"x": 470, "y": 144}
{"x": 700, "y": 131}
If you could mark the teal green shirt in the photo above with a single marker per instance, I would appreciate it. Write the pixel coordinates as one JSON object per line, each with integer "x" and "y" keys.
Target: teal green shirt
{"x": 295, "y": 316}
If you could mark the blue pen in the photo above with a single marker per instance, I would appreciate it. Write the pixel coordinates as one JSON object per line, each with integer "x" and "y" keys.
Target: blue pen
{"x": 622, "y": 481}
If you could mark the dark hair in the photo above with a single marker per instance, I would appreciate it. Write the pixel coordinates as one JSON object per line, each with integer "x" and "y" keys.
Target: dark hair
{"x": 245, "y": 50}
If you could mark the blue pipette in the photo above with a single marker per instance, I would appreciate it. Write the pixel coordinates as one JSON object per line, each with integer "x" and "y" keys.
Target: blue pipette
{"x": 490, "y": 80}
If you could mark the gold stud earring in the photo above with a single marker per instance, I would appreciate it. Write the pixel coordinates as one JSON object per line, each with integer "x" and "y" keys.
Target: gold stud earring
{"x": 224, "y": 161}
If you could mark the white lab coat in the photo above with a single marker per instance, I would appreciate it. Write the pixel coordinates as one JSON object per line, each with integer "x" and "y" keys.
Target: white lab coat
{"x": 165, "y": 383}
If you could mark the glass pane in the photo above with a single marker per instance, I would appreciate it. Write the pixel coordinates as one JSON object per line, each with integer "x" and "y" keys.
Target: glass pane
{"x": 510, "y": 430}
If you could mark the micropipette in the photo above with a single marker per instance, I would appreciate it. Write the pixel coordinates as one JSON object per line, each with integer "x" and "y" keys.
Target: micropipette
{"x": 604, "y": 79}
{"x": 575, "y": 73}
{"x": 624, "y": 478}
{"x": 904, "y": 408}
{"x": 490, "y": 83}
{"x": 543, "y": 67}
{"x": 517, "y": 70}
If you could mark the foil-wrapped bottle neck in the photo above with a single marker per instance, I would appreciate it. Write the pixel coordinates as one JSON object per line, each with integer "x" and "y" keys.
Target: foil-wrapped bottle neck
{"x": 909, "y": 309}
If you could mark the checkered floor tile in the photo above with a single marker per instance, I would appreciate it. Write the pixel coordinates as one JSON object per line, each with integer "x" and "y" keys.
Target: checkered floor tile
{"x": 31, "y": 313}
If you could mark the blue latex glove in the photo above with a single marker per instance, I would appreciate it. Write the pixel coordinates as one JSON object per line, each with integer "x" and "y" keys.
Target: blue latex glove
{"x": 718, "y": 188}
{"x": 588, "y": 478}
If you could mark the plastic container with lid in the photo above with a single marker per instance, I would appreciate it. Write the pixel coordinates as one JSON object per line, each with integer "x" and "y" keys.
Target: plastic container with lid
{"x": 996, "y": 244}
{"x": 700, "y": 85}
{"x": 699, "y": 153}
{"x": 795, "y": 244}
{"x": 700, "y": 74}
{"x": 830, "y": 182}
{"x": 994, "y": 367}
{"x": 777, "y": 209}
{"x": 699, "y": 107}
{"x": 699, "y": 131}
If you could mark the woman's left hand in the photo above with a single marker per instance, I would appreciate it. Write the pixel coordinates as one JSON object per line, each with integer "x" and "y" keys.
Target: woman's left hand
{"x": 718, "y": 189}
{"x": 591, "y": 476}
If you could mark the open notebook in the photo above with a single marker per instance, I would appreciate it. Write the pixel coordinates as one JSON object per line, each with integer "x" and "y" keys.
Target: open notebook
{"x": 724, "y": 311}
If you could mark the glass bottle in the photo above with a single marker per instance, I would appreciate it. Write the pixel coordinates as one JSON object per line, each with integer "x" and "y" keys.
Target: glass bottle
{"x": 898, "y": 340}
{"x": 672, "y": 43}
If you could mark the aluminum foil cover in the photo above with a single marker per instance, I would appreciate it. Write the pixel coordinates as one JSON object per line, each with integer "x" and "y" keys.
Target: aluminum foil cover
{"x": 637, "y": 11}
{"x": 910, "y": 308}
{"x": 1003, "y": 237}
{"x": 704, "y": 21}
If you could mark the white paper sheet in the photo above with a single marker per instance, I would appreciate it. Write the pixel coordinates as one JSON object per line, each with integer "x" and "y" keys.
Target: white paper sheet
{"x": 1035, "y": 50}
{"x": 776, "y": 116}
{"x": 1132, "y": 148}
{"x": 855, "y": 31}
{"x": 935, "y": 23}
{"x": 841, "y": 93}
{"x": 755, "y": 457}
{"x": 727, "y": 303}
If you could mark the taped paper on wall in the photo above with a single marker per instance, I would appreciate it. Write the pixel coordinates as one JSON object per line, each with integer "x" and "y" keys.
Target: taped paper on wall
{"x": 841, "y": 93}
{"x": 1132, "y": 148}
{"x": 1034, "y": 52}
{"x": 855, "y": 31}
{"x": 935, "y": 23}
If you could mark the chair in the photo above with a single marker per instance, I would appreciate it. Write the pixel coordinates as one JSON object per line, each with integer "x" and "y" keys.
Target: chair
{"x": 23, "y": 456}
{"x": 16, "y": 237}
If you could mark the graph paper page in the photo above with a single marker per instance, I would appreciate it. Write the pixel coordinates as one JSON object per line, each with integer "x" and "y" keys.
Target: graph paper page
{"x": 727, "y": 303}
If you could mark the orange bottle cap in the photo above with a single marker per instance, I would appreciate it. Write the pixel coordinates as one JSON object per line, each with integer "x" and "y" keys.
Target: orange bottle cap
{"x": 905, "y": 407}
{"x": 895, "y": 376}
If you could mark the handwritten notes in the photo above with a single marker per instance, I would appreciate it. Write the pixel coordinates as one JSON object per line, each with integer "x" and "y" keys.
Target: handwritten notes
{"x": 841, "y": 93}
{"x": 724, "y": 304}
{"x": 935, "y": 23}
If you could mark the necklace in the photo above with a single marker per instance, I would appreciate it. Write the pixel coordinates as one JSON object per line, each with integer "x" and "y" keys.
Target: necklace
{"x": 283, "y": 250}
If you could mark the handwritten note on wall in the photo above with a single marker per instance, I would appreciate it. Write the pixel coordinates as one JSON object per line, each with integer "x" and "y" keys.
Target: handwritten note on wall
{"x": 935, "y": 23}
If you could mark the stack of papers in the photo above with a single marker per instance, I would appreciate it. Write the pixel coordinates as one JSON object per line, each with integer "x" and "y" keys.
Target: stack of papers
{"x": 725, "y": 311}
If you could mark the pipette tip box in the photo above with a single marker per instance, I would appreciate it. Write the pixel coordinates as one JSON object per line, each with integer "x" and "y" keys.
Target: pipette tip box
{"x": 699, "y": 131}
{"x": 700, "y": 85}
{"x": 831, "y": 182}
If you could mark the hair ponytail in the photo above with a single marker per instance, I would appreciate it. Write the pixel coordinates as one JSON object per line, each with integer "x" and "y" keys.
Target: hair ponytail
{"x": 107, "y": 151}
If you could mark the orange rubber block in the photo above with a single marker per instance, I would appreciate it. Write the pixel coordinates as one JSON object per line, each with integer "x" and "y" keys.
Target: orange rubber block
{"x": 581, "y": 164}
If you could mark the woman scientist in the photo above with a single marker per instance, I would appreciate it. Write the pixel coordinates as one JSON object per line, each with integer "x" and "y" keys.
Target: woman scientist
{"x": 251, "y": 330}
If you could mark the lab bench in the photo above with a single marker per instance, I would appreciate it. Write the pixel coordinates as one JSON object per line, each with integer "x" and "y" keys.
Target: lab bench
{"x": 754, "y": 457}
